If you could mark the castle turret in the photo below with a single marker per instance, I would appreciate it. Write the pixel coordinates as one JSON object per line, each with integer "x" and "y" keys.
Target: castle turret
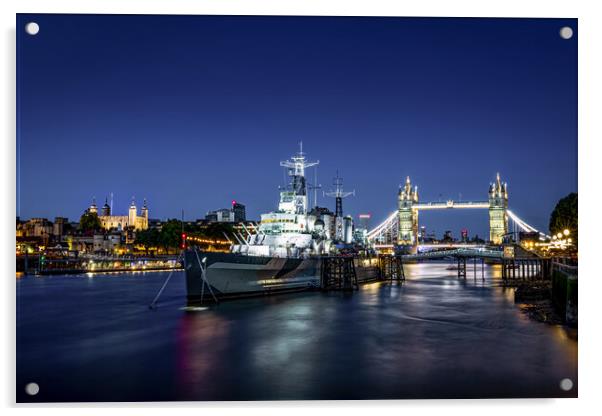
{"x": 144, "y": 210}
{"x": 145, "y": 215}
{"x": 132, "y": 213}
{"x": 93, "y": 208}
{"x": 106, "y": 209}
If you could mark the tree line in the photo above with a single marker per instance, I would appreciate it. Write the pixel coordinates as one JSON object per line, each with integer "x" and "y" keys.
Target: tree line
{"x": 170, "y": 235}
{"x": 565, "y": 216}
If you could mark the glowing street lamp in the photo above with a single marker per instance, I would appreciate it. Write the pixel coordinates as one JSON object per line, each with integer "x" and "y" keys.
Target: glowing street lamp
{"x": 566, "y": 232}
{"x": 559, "y": 235}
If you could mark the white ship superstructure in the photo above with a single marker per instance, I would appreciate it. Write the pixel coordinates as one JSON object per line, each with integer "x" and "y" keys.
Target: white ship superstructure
{"x": 289, "y": 231}
{"x": 284, "y": 253}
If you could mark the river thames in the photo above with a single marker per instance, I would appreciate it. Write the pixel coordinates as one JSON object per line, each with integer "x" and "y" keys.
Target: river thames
{"x": 93, "y": 338}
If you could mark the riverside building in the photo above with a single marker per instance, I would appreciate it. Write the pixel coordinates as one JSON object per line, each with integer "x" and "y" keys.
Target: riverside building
{"x": 121, "y": 222}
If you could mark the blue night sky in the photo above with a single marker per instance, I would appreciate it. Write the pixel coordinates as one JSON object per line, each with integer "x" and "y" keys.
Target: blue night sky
{"x": 194, "y": 111}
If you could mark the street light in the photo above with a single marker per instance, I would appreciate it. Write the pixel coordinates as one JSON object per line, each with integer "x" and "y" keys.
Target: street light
{"x": 559, "y": 235}
{"x": 566, "y": 232}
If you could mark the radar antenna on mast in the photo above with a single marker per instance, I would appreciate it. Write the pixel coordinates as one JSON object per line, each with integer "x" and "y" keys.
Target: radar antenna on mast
{"x": 338, "y": 194}
{"x": 315, "y": 186}
{"x": 296, "y": 166}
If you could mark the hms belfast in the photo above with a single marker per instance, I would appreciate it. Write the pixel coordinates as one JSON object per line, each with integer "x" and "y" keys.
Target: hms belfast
{"x": 285, "y": 252}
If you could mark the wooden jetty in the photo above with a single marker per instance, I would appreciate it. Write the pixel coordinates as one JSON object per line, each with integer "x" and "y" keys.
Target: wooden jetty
{"x": 515, "y": 270}
{"x": 464, "y": 265}
{"x": 338, "y": 273}
{"x": 391, "y": 268}
{"x": 342, "y": 273}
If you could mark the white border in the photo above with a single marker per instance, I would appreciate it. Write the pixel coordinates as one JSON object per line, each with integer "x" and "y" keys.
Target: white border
{"x": 590, "y": 72}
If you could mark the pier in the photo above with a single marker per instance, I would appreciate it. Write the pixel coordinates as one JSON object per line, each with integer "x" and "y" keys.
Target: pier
{"x": 526, "y": 269}
{"x": 347, "y": 273}
{"x": 338, "y": 273}
{"x": 391, "y": 268}
{"x": 464, "y": 265}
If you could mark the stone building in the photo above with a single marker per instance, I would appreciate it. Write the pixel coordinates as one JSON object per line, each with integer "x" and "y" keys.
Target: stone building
{"x": 37, "y": 227}
{"x": 121, "y": 222}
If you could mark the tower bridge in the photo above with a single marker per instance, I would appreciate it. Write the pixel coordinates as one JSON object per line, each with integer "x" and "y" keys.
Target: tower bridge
{"x": 401, "y": 226}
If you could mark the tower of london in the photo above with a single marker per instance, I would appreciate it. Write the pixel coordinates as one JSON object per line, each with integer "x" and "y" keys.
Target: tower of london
{"x": 121, "y": 222}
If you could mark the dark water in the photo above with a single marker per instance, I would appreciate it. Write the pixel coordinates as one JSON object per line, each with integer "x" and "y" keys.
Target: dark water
{"x": 94, "y": 339}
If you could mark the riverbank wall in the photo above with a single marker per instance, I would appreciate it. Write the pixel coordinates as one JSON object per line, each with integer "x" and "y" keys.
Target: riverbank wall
{"x": 565, "y": 292}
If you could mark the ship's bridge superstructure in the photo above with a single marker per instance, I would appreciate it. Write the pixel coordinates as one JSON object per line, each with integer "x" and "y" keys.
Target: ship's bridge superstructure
{"x": 288, "y": 231}
{"x": 275, "y": 223}
{"x": 293, "y": 199}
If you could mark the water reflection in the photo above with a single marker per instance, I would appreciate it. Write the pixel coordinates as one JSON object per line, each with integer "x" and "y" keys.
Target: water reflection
{"x": 202, "y": 341}
{"x": 432, "y": 336}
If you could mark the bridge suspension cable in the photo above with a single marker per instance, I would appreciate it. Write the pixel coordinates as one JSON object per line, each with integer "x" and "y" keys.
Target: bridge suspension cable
{"x": 523, "y": 225}
{"x": 380, "y": 232}
{"x": 383, "y": 227}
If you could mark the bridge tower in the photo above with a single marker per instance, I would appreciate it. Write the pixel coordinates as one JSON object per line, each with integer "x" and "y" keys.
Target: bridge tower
{"x": 498, "y": 204}
{"x": 408, "y": 216}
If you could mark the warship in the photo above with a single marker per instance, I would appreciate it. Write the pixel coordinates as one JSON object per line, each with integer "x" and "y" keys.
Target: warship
{"x": 283, "y": 253}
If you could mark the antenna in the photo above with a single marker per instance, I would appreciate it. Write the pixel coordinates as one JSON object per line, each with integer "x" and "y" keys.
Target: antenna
{"x": 315, "y": 189}
{"x": 296, "y": 166}
{"x": 316, "y": 186}
{"x": 339, "y": 194}
{"x": 112, "y": 203}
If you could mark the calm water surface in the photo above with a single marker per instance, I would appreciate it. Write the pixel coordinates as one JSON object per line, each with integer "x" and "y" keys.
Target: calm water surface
{"x": 84, "y": 338}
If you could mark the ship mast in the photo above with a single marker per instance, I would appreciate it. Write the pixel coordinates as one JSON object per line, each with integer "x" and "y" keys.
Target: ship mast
{"x": 296, "y": 170}
{"x": 338, "y": 194}
{"x": 314, "y": 187}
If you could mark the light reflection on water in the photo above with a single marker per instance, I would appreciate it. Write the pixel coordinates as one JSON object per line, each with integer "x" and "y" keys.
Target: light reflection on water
{"x": 433, "y": 336}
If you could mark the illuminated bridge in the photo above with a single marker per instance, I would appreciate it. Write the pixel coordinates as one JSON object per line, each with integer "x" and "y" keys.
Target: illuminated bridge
{"x": 401, "y": 226}
{"x": 477, "y": 252}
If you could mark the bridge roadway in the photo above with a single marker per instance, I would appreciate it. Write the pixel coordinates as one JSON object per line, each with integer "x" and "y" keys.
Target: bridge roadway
{"x": 438, "y": 246}
{"x": 457, "y": 252}
{"x": 450, "y": 246}
{"x": 451, "y": 204}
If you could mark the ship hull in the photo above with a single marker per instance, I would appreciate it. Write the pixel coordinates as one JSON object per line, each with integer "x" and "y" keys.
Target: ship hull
{"x": 234, "y": 275}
